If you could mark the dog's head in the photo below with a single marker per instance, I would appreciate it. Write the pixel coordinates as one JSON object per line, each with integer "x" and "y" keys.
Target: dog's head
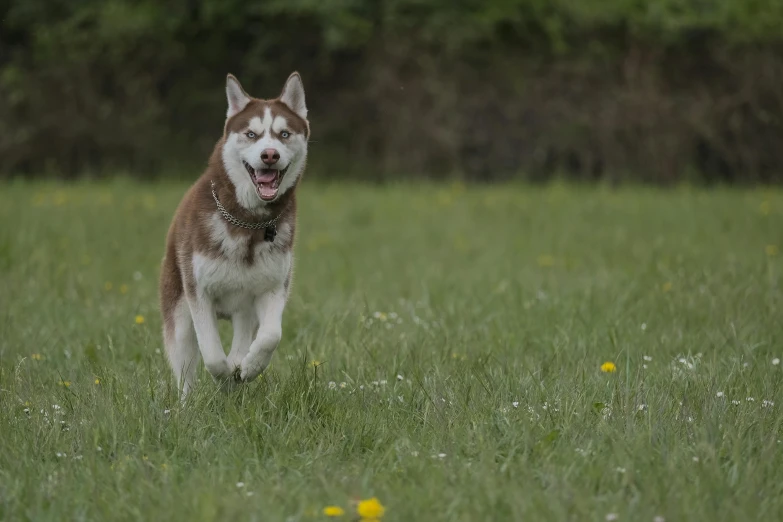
{"x": 265, "y": 141}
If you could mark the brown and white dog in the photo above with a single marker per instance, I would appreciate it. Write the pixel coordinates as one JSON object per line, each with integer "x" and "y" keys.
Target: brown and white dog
{"x": 229, "y": 247}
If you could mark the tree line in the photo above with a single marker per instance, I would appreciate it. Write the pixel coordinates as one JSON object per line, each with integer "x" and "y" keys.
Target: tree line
{"x": 658, "y": 91}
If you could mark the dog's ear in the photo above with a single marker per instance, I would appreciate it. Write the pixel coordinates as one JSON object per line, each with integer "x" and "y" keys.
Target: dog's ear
{"x": 293, "y": 95}
{"x": 237, "y": 97}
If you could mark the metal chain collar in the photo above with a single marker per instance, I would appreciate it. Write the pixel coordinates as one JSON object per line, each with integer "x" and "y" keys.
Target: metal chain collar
{"x": 237, "y": 222}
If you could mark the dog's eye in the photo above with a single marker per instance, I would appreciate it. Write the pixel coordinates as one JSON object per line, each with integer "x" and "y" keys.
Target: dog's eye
{"x": 285, "y": 134}
{"x": 250, "y": 134}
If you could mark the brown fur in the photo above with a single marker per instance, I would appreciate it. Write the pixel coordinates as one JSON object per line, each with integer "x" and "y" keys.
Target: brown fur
{"x": 189, "y": 232}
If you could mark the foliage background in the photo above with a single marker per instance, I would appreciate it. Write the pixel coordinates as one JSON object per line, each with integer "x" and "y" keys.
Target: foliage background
{"x": 482, "y": 89}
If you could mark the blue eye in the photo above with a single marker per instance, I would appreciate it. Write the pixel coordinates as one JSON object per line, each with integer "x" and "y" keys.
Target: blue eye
{"x": 284, "y": 134}
{"x": 250, "y": 134}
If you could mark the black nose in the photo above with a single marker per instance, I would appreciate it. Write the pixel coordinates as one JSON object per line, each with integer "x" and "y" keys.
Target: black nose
{"x": 270, "y": 156}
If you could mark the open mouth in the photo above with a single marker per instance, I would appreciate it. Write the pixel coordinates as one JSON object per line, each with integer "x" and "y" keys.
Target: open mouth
{"x": 266, "y": 181}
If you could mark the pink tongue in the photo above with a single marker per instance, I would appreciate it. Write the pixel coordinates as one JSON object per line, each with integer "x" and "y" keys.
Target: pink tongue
{"x": 266, "y": 176}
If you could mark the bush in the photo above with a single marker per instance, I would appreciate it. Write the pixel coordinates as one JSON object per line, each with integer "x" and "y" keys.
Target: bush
{"x": 485, "y": 89}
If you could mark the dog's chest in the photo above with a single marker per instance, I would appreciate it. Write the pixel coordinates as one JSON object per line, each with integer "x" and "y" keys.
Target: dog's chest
{"x": 240, "y": 270}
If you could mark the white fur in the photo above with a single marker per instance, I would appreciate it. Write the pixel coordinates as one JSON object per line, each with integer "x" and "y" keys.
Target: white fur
{"x": 238, "y": 147}
{"x": 294, "y": 96}
{"x": 182, "y": 347}
{"x": 253, "y": 294}
{"x": 237, "y": 98}
{"x": 279, "y": 124}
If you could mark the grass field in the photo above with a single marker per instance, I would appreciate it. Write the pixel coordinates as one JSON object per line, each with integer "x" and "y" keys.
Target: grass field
{"x": 442, "y": 352}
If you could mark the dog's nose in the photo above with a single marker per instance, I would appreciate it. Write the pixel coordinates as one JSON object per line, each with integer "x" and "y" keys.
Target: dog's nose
{"x": 270, "y": 156}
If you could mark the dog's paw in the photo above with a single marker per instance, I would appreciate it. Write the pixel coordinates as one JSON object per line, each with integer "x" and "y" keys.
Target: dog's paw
{"x": 249, "y": 369}
{"x": 219, "y": 370}
{"x": 223, "y": 375}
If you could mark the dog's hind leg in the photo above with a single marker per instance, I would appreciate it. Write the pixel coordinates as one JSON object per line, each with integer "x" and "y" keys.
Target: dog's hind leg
{"x": 182, "y": 346}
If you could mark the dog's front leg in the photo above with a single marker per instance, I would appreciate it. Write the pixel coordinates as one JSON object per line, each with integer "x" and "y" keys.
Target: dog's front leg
{"x": 270, "y": 316}
{"x": 205, "y": 322}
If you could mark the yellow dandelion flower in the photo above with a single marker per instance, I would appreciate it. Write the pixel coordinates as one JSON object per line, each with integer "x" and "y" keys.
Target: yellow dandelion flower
{"x": 123, "y": 289}
{"x": 334, "y": 511}
{"x": 771, "y": 250}
{"x": 97, "y": 381}
{"x": 608, "y": 367}
{"x": 27, "y": 403}
{"x": 36, "y": 357}
{"x": 139, "y": 319}
{"x": 546, "y": 261}
{"x": 144, "y": 457}
{"x": 370, "y": 509}
{"x": 65, "y": 383}
{"x": 108, "y": 286}
{"x": 667, "y": 286}
{"x": 164, "y": 466}
{"x": 315, "y": 363}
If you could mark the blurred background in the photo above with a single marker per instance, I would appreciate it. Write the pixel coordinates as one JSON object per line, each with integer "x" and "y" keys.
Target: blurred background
{"x": 622, "y": 90}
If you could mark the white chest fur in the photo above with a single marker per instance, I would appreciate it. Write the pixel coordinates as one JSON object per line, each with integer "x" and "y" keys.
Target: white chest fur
{"x": 232, "y": 280}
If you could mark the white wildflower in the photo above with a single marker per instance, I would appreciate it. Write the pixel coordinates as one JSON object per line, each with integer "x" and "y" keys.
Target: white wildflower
{"x": 515, "y": 404}
{"x": 647, "y": 358}
{"x": 719, "y": 394}
{"x": 240, "y": 484}
{"x": 775, "y": 361}
{"x": 611, "y": 516}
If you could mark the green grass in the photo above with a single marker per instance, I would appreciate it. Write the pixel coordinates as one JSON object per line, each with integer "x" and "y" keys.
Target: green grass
{"x": 507, "y": 299}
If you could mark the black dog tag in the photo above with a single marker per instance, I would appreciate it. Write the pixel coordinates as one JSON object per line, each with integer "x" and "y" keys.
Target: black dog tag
{"x": 269, "y": 233}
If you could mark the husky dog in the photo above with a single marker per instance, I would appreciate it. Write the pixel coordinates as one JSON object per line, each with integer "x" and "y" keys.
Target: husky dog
{"x": 229, "y": 249}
